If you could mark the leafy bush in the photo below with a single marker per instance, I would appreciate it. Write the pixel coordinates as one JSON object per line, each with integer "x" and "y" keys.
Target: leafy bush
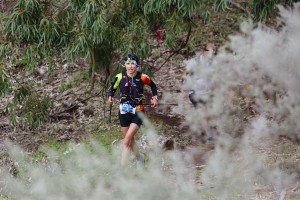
{"x": 36, "y": 109}
{"x": 28, "y": 106}
{"x": 5, "y": 85}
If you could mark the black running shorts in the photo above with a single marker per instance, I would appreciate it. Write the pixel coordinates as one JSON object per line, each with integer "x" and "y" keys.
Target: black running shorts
{"x": 128, "y": 118}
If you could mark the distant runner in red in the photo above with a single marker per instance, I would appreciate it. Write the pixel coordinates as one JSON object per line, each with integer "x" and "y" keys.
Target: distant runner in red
{"x": 161, "y": 36}
{"x": 131, "y": 84}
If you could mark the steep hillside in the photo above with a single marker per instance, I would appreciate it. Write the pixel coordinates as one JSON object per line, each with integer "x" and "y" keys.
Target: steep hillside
{"x": 79, "y": 115}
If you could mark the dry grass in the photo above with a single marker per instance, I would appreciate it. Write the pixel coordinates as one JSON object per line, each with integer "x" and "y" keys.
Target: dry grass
{"x": 284, "y": 154}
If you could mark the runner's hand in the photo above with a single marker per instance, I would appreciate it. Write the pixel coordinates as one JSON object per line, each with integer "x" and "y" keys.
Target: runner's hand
{"x": 110, "y": 100}
{"x": 154, "y": 101}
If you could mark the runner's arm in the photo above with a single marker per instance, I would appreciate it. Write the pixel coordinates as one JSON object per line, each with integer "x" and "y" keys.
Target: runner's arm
{"x": 147, "y": 80}
{"x": 153, "y": 89}
{"x": 114, "y": 85}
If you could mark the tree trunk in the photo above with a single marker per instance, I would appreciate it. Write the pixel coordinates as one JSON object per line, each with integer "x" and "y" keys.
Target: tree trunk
{"x": 93, "y": 69}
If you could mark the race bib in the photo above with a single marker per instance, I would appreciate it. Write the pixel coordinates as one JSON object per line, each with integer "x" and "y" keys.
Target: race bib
{"x": 126, "y": 108}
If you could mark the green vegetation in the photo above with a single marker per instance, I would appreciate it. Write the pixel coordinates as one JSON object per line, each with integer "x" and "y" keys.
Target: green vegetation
{"x": 64, "y": 85}
{"x": 40, "y": 32}
{"x": 107, "y": 134}
{"x": 34, "y": 107}
{"x": 5, "y": 85}
{"x": 76, "y": 80}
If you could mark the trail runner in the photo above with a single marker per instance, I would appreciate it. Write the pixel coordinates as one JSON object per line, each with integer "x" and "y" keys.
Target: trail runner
{"x": 131, "y": 84}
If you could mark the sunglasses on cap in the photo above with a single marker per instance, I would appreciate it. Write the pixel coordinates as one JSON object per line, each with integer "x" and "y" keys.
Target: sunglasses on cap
{"x": 129, "y": 61}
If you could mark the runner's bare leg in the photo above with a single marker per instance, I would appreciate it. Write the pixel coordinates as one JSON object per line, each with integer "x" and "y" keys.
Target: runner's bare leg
{"x": 129, "y": 144}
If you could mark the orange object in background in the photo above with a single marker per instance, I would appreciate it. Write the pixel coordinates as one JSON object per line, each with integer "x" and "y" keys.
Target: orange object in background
{"x": 161, "y": 35}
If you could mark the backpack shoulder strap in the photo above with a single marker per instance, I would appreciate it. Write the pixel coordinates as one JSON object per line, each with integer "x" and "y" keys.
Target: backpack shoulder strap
{"x": 124, "y": 73}
{"x": 138, "y": 75}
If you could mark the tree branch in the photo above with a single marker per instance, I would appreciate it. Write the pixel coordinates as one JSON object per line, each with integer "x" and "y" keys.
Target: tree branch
{"x": 179, "y": 49}
{"x": 61, "y": 7}
{"x": 76, "y": 105}
{"x": 237, "y": 5}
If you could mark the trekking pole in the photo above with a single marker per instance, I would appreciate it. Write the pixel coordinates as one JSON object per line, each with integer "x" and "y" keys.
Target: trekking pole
{"x": 162, "y": 104}
{"x": 110, "y": 108}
